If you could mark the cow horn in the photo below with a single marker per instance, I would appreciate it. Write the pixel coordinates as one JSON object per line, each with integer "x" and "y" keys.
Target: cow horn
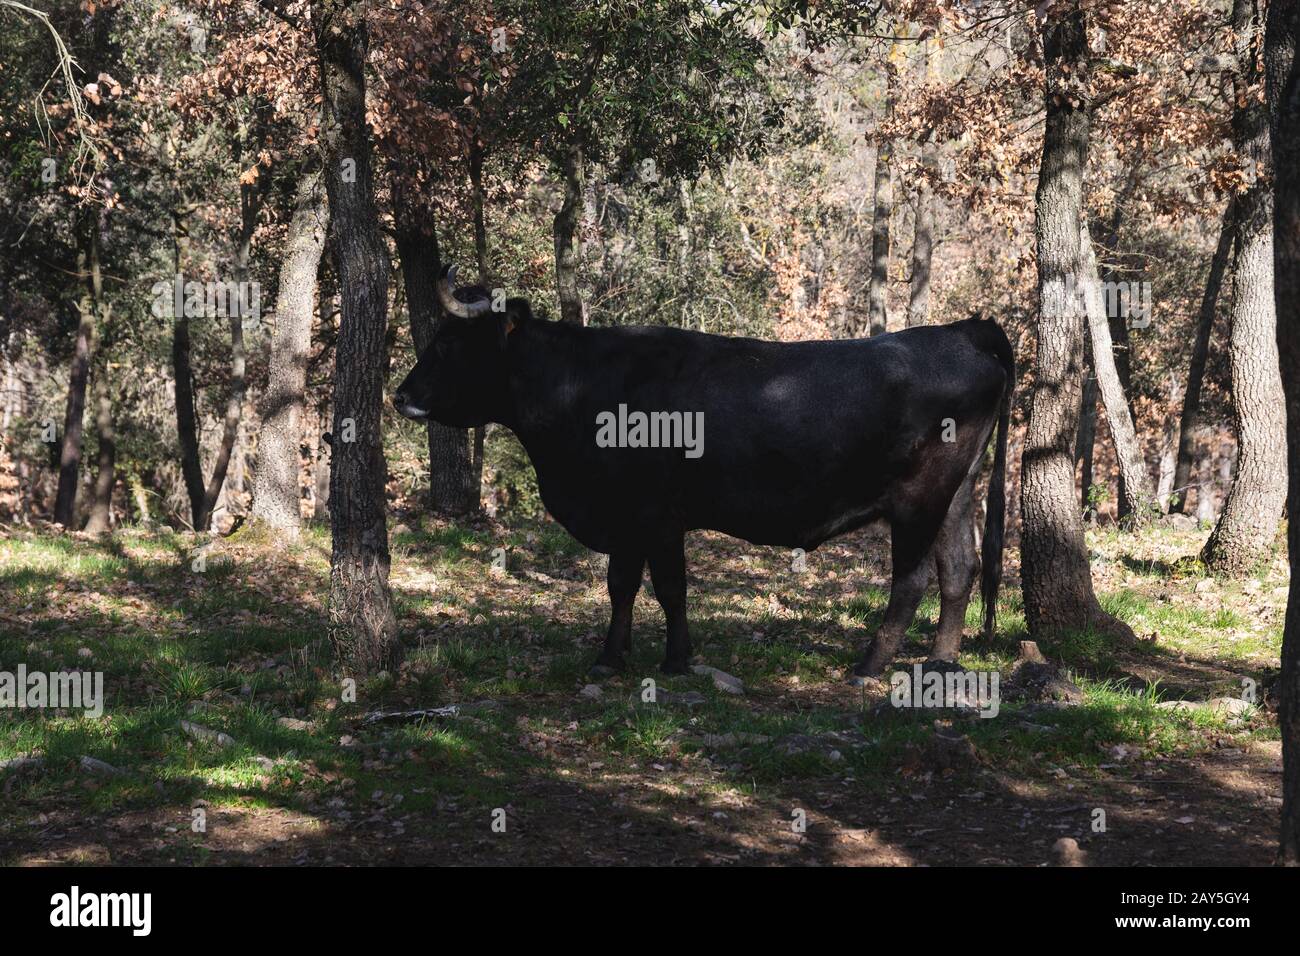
{"x": 453, "y": 305}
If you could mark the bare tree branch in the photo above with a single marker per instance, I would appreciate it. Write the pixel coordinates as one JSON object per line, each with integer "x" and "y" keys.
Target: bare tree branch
{"x": 86, "y": 148}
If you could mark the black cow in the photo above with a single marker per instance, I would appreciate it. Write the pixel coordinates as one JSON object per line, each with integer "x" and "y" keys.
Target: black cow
{"x": 804, "y": 441}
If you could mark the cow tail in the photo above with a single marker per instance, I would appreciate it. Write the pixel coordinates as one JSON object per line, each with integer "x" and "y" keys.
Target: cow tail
{"x": 996, "y": 505}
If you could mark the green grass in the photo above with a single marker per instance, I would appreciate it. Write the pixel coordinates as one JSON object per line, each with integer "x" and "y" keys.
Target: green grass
{"x": 239, "y": 645}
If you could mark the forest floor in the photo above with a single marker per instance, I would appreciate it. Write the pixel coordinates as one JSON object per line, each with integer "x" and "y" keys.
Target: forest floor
{"x": 596, "y": 774}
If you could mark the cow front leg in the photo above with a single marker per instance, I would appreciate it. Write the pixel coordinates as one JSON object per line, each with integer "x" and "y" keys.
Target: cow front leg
{"x": 668, "y": 574}
{"x": 623, "y": 581}
{"x": 910, "y": 546}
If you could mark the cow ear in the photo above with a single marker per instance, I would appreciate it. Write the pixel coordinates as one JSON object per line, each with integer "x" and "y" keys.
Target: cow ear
{"x": 517, "y": 314}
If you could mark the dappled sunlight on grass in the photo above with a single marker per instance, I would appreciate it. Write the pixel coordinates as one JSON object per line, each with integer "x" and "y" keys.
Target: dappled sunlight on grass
{"x": 238, "y": 649}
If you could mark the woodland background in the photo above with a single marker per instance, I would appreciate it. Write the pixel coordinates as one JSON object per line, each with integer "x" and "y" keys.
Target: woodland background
{"x": 768, "y": 212}
{"x": 1094, "y": 174}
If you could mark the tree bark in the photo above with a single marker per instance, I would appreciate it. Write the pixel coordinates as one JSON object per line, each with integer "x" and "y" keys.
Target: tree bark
{"x": 65, "y": 503}
{"x": 1085, "y": 443}
{"x": 455, "y": 475}
{"x": 566, "y": 238}
{"x": 1057, "y": 580}
{"x": 883, "y": 210}
{"x": 187, "y": 429}
{"x": 480, "y": 219}
{"x": 1121, "y": 354}
{"x": 686, "y": 248}
{"x": 11, "y": 391}
{"x": 918, "y": 306}
{"x": 1281, "y": 43}
{"x": 1249, "y": 521}
{"x": 320, "y": 473}
{"x": 106, "y": 466}
{"x": 1168, "y": 442}
{"x": 1189, "y": 422}
{"x": 1136, "y": 487}
{"x": 361, "y": 624}
{"x": 276, "y": 491}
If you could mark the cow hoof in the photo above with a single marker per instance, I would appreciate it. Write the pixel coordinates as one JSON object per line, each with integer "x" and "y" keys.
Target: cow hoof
{"x": 674, "y": 667}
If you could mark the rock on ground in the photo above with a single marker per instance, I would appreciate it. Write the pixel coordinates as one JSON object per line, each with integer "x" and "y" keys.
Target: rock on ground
{"x": 206, "y": 734}
{"x": 723, "y": 681}
{"x": 1068, "y": 853}
{"x": 91, "y": 765}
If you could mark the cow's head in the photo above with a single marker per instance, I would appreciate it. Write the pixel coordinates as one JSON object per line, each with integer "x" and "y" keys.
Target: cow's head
{"x": 461, "y": 379}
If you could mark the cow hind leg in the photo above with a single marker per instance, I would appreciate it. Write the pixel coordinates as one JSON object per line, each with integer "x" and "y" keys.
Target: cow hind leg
{"x": 911, "y": 543}
{"x": 958, "y": 565}
{"x": 668, "y": 574}
{"x": 623, "y": 581}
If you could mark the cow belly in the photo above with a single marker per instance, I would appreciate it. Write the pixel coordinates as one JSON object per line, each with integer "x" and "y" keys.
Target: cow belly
{"x": 613, "y": 531}
{"x": 790, "y": 523}
{"x": 635, "y": 517}
{"x": 794, "y": 500}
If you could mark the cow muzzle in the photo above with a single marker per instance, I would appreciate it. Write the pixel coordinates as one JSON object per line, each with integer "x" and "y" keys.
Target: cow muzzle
{"x": 402, "y": 402}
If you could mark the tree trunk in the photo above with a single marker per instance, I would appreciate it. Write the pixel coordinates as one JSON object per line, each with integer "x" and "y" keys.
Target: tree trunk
{"x": 686, "y": 249}
{"x": 480, "y": 219}
{"x": 203, "y": 498}
{"x": 238, "y": 361}
{"x": 361, "y": 624}
{"x": 187, "y": 429}
{"x": 1248, "y": 523}
{"x": 1136, "y": 487}
{"x": 141, "y": 498}
{"x": 320, "y": 472}
{"x": 106, "y": 475}
{"x": 1057, "y": 580}
{"x": 918, "y": 306}
{"x": 1120, "y": 354}
{"x": 883, "y": 210}
{"x": 1086, "y": 442}
{"x": 1283, "y": 90}
{"x": 454, "y": 474}
{"x": 276, "y": 491}
{"x": 1189, "y": 423}
{"x": 1168, "y": 443}
{"x": 11, "y": 391}
{"x": 1205, "y": 497}
{"x": 566, "y": 239}
{"x": 65, "y": 503}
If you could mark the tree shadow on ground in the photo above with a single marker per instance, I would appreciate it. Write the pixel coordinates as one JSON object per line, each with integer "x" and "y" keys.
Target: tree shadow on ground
{"x": 579, "y": 781}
